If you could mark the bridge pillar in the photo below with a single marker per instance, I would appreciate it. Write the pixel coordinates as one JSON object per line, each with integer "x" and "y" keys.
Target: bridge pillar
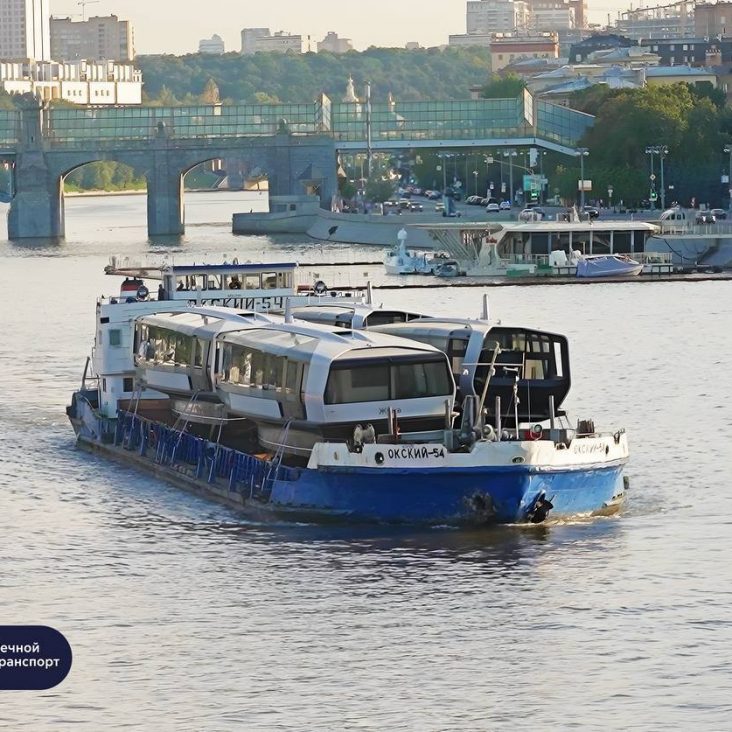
{"x": 37, "y": 208}
{"x": 165, "y": 212}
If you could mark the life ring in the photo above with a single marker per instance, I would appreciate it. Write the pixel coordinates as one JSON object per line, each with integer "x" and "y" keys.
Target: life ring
{"x": 320, "y": 287}
{"x": 142, "y": 292}
{"x": 535, "y": 432}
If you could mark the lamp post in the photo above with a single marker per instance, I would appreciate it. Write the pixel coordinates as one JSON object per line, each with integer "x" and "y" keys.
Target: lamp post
{"x": 661, "y": 151}
{"x": 511, "y": 154}
{"x": 583, "y": 152}
{"x": 475, "y": 181}
{"x": 728, "y": 150}
{"x": 610, "y": 197}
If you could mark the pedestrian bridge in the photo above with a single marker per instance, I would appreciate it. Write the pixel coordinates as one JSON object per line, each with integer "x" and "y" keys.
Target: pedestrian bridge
{"x": 296, "y": 144}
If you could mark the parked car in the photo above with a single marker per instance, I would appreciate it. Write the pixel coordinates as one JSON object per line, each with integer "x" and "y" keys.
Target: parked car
{"x": 591, "y": 211}
{"x": 719, "y": 214}
{"x": 532, "y": 214}
{"x": 492, "y": 208}
{"x": 505, "y": 205}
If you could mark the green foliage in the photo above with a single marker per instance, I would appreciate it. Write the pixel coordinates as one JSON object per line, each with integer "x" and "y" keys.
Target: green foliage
{"x": 379, "y": 189}
{"x": 104, "y": 176}
{"x": 298, "y": 78}
{"x": 691, "y": 121}
{"x": 503, "y": 87}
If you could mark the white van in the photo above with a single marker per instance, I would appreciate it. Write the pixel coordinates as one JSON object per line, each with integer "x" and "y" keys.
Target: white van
{"x": 674, "y": 214}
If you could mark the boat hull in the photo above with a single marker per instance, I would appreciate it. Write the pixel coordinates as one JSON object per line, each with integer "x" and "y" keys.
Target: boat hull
{"x": 493, "y": 482}
{"x": 479, "y": 496}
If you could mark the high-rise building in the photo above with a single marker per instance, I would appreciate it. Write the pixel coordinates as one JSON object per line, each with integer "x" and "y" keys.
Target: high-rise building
{"x": 24, "y": 30}
{"x": 213, "y": 46}
{"x": 105, "y": 38}
{"x": 332, "y": 43}
{"x": 260, "y": 40}
{"x": 496, "y": 16}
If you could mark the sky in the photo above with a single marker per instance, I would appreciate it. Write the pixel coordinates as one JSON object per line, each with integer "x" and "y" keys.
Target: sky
{"x": 176, "y": 26}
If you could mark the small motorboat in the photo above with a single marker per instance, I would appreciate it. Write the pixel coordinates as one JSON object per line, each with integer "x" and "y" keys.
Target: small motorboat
{"x": 607, "y": 265}
{"x": 401, "y": 261}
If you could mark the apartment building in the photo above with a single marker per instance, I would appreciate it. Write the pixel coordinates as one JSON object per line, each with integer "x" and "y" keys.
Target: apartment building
{"x": 100, "y": 38}
{"x": 260, "y": 40}
{"x": 24, "y": 30}
{"x": 81, "y": 82}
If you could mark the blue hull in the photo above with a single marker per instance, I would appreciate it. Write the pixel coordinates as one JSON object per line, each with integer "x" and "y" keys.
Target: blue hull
{"x": 481, "y": 495}
{"x": 475, "y": 495}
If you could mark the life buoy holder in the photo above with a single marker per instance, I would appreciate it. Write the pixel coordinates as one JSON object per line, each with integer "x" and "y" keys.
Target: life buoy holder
{"x": 320, "y": 287}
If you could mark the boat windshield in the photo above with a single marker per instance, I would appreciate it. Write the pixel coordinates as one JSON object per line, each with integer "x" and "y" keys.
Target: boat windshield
{"x": 382, "y": 379}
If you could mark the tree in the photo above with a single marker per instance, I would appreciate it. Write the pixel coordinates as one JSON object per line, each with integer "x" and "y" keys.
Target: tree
{"x": 503, "y": 87}
{"x": 379, "y": 189}
{"x": 210, "y": 93}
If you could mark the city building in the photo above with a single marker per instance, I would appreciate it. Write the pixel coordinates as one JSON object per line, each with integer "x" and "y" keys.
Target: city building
{"x": 713, "y": 20}
{"x": 260, "y": 40}
{"x": 496, "y": 16}
{"x": 551, "y": 16}
{"x": 213, "y": 45}
{"x": 697, "y": 52}
{"x": 249, "y": 38}
{"x": 100, "y": 38}
{"x": 24, "y": 30}
{"x": 80, "y": 82}
{"x": 506, "y": 49}
{"x": 470, "y": 39}
{"x": 663, "y": 21}
{"x": 412, "y": 45}
{"x": 579, "y": 52}
{"x": 333, "y": 44}
{"x": 659, "y": 75}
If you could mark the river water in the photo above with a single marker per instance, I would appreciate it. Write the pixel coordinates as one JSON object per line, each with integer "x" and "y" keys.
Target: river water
{"x": 183, "y": 616}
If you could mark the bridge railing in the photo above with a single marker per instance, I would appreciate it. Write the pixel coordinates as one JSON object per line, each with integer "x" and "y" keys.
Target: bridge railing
{"x": 68, "y": 126}
{"x": 475, "y": 119}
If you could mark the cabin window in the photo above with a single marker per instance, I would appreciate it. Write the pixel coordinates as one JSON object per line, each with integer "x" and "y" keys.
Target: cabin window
{"x": 269, "y": 280}
{"x": 128, "y": 384}
{"x": 115, "y": 337}
{"x": 251, "y": 282}
{"x": 349, "y": 384}
{"x": 359, "y": 384}
{"x": 414, "y": 381}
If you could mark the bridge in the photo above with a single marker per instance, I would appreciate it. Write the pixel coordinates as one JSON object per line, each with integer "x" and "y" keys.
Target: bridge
{"x": 295, "y": 144}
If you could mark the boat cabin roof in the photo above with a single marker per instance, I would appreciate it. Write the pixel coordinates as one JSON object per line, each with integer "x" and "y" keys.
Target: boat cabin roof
{"x": 204, "y": 320}
{"x": 126, "y": 267}
{"x": 330, "y": 343}
{"x": 346, "y": 314}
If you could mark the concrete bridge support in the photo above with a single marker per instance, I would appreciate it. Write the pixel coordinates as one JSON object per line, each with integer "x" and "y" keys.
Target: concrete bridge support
{"x": 165, "y": 212}
{"x": 37, "y": 209}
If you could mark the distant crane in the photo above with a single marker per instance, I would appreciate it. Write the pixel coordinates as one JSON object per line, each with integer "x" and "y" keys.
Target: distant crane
{"x": 83, "y": 4}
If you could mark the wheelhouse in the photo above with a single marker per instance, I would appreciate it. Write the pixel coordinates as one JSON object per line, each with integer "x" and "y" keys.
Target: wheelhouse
{"x": 530, "y": 365}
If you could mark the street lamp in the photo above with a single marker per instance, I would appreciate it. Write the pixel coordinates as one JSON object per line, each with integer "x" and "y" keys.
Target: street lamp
{"x": 728, "y": 150}
{"x": 610, "y": 197}
{"x": 661, "y": 151}
{"x": 475, "y": 179}
{"x": 583, "y": 152}
{"x": 511, "y": 154}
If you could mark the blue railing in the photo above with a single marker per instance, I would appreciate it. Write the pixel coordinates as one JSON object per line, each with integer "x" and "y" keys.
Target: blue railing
{"x": 207, "y": 461}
